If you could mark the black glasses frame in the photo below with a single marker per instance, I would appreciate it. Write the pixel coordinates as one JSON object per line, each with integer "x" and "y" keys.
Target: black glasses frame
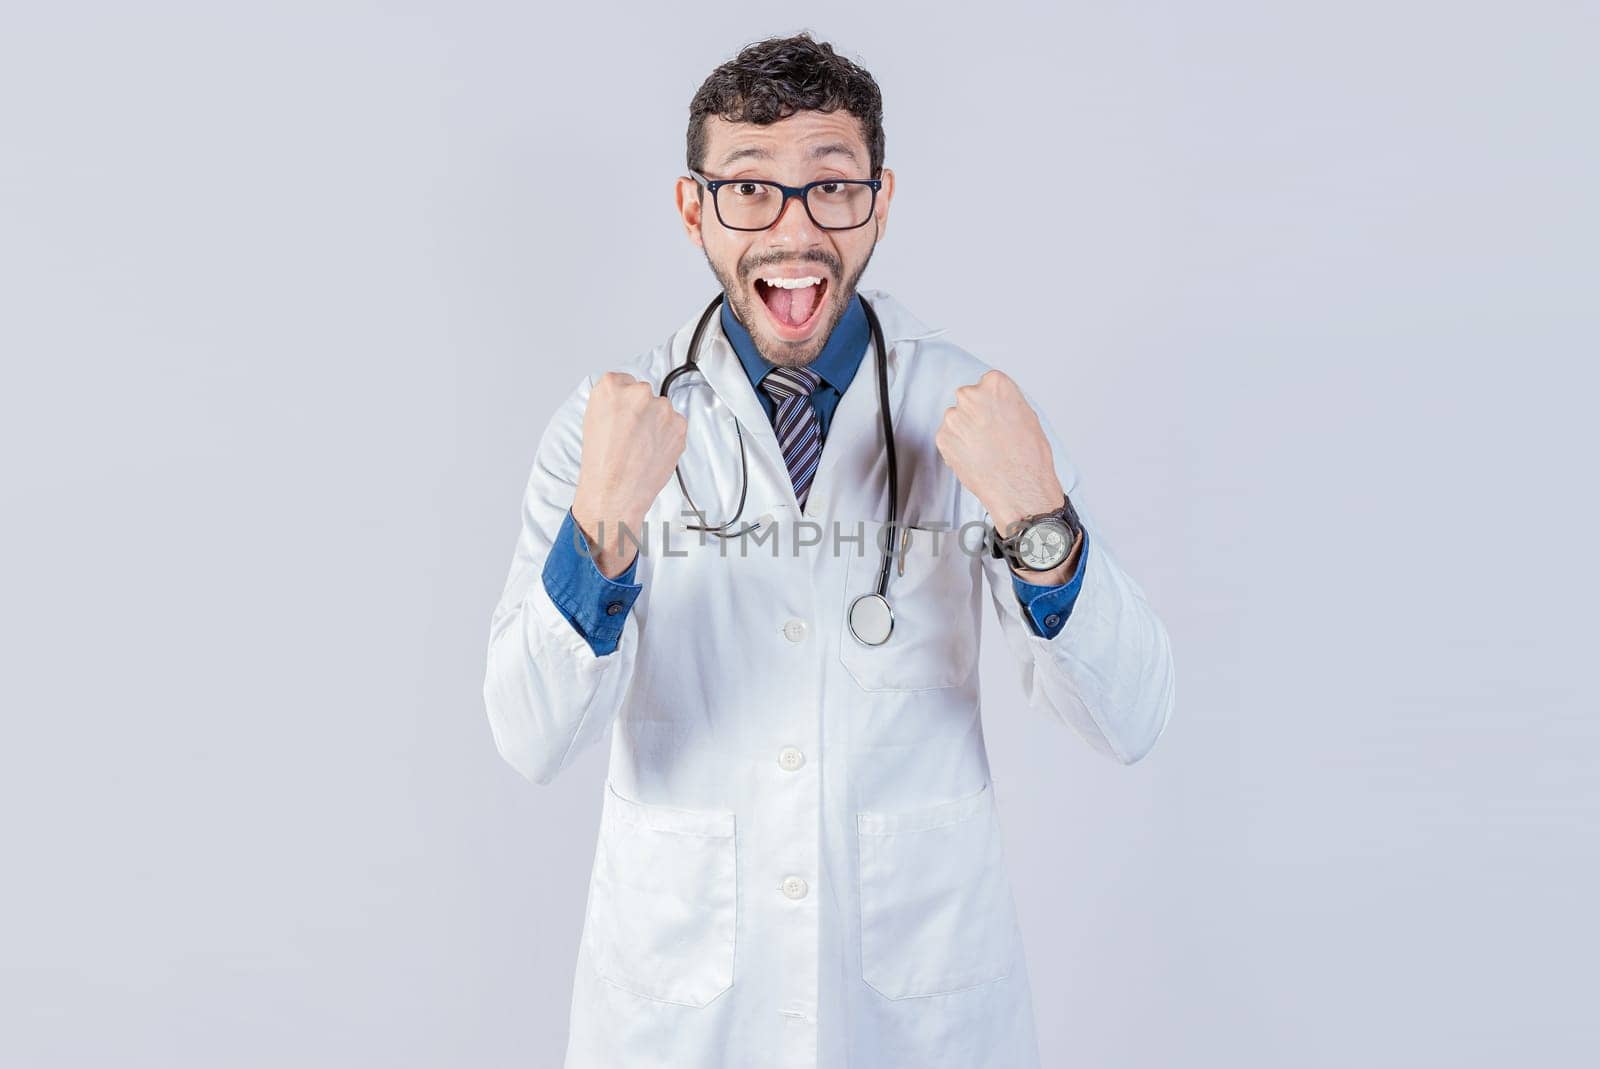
{"x": 714, "y": 184}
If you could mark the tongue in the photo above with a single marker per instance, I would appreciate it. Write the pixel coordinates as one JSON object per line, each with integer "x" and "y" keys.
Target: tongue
{"x": 792, "y": 306}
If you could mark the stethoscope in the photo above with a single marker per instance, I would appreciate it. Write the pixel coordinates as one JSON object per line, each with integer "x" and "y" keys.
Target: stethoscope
{"x": 870, "y": 618}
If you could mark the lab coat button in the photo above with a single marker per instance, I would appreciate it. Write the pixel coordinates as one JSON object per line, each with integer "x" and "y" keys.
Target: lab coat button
{"x": 794, "y": 630}
{"x": 791, "y": 758}
{"x": 794, "y": 887}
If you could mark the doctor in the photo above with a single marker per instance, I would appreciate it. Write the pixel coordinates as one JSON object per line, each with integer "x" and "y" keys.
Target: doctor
{"x": 800, "y": 855}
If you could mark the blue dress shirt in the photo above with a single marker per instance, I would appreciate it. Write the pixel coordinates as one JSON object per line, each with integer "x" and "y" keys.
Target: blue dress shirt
{"x": 837, "y": 362}
{"x": 1049, "y": 606}
{"x": 597, "y": 606}
{"x": 593, "y": 604}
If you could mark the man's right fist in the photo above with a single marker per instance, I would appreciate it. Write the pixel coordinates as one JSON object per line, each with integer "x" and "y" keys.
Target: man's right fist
{"x": 632, "y": 440}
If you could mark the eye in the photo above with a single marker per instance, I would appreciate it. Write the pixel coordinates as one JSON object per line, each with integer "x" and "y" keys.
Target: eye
{"x": 748, "y": 189}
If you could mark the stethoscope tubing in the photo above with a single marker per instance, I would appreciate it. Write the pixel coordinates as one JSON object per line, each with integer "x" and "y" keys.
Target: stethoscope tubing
{"x": 892, "y": 528}
{"x": 691, "y": 362}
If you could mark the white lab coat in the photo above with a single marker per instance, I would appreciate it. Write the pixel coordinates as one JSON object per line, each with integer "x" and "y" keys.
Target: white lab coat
{"x": 800, "y": 859}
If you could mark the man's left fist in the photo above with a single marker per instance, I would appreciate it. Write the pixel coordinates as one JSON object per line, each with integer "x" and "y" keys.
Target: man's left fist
{"x": 992, "y": 440}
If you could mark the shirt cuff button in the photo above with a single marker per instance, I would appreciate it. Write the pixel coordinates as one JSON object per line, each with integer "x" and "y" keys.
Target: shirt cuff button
{"x": 614, "y": 608}
{"x": 1052, "y": 620}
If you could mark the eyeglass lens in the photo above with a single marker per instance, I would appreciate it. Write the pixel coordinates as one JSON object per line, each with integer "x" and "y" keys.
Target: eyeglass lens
{"x": 756, "y": 205}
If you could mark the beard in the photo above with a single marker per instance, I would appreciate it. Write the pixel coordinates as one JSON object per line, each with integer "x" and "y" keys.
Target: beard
{"x": 775, "y": 351}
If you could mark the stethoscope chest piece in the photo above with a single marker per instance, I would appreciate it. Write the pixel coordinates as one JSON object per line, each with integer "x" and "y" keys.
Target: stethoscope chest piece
{"x": 871, "y": 619}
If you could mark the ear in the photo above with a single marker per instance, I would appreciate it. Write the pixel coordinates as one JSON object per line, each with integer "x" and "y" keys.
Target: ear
{"x": 881, "y": 208}
{"x": 687, "y": 191}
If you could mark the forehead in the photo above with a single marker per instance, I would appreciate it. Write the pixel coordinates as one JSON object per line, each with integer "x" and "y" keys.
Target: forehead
{"x": 833, "y": 137}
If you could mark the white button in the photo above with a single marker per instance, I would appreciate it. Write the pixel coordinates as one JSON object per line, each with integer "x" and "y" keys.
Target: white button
{"x": 794, "y": 630}
{"x": 791, "y": 758}
{"x": 794, "y": 887}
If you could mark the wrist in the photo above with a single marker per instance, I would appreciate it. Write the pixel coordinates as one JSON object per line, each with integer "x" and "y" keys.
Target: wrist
{"x": 591, "y": 509}
{"x": 1004, "y": 515}
{"x": 613, "y": 535}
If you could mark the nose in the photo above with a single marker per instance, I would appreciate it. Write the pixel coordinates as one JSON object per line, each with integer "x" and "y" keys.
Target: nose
{"x": 794, "y": 228}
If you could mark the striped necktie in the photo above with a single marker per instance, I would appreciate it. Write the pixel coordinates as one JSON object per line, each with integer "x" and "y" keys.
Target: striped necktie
{"x": 795, "y": 421}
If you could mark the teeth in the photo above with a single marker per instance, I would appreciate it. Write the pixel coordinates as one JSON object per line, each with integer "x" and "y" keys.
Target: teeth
{"x": 793, "y": 283}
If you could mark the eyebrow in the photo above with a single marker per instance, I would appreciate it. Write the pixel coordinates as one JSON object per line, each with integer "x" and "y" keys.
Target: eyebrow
{"x": 832, "y": 148}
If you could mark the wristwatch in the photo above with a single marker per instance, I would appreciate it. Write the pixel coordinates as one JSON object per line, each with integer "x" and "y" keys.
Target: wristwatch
{"x": 1041, "y": 541}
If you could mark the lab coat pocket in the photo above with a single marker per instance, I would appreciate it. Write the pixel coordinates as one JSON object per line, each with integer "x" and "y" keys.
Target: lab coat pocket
{"x": 663, "y": 900}
{"x": 933, "y": 592}
{"x": 937, "y": 914}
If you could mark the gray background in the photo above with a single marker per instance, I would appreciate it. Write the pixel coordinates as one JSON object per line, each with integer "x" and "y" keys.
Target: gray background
{"x": 289, "y": 295}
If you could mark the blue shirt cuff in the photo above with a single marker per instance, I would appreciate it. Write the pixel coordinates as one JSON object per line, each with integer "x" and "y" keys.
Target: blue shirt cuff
{"x": 594, "y": 605}
{"x": 1047, "y": 607}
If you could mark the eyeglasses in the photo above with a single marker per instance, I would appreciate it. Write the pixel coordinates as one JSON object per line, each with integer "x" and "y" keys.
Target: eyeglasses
{"x": 753, "y": 204}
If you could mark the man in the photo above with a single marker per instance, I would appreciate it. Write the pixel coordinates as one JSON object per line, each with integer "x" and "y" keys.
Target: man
{"x": 799, "y": 860}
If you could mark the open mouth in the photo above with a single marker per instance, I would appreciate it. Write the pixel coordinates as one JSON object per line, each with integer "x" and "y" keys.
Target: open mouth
{"x": 793, "y": 304}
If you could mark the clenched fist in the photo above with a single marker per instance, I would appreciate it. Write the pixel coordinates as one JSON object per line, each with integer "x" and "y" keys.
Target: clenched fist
{"x": 632, "y": 440}
{"x": 992, "y": 440}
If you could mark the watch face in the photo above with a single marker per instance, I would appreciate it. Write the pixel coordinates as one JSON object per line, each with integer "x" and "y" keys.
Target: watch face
{"x": 1044, "y": 545}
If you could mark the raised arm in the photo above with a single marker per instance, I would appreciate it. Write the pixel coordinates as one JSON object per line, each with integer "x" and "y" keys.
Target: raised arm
{"x": 1107, "y": 670}
{"x": 556, "y": 675}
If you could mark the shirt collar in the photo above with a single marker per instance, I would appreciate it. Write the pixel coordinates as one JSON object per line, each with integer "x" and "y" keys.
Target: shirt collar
{"x": 837, "y": 363}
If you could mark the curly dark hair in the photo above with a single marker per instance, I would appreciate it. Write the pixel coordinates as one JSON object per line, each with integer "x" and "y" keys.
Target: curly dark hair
{"x": 772, "y": 79}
